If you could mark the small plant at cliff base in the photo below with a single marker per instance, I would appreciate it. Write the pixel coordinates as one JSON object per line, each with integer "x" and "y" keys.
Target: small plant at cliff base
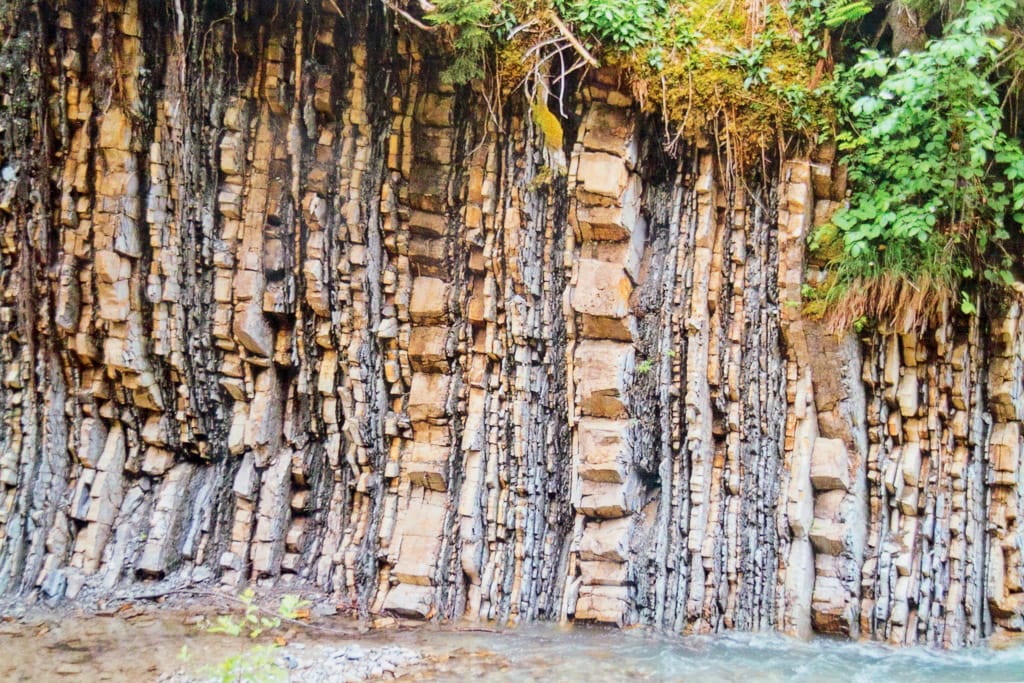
{"x": 257, "y": 664}
{"x": 938, "y": 183}
{"x": 251, "y": 623}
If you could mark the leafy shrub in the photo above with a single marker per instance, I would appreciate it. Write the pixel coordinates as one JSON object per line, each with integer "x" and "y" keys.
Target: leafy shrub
{"x": 751, "y": 62}
{"x": 623, "y": 24}
{"x": 936, "y": 180}
{"x": 252, "y": 622}
{"x": 472, "y": 22}
{"x": 257, "y": 664}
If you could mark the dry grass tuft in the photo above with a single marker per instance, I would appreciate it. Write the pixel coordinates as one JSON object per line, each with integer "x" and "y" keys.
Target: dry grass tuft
{"x": 895, "y": 302}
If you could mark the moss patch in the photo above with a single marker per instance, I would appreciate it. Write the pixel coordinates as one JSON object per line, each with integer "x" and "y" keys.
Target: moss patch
{"x": 750, "y": 78}
{"x": 548, "y": 124}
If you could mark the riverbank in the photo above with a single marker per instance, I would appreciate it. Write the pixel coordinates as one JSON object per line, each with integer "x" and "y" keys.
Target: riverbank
{"x": 168, "y": 639}
{"x": 163, "y": 640}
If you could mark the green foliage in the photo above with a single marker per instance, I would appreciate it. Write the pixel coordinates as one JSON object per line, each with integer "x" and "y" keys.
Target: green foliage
{"x": 861, "y": 324}
{"x": 696, "y": 62}
{"x": 808, "y": 17}
{"x": 837, "y": 15}
{"x": 937, "y": 182}
{"x": 621, "y": 24}
{"x": 479, "y": 26}
{"x": 291, "y": 606}
{"x": 251, "y": 623}
{"x": 748, "y": 74}
{"x": 473, "y": 23}
{"x": 751, "y": 61}
{"x": 257, "y": 664}
{"x": 803, "y": 112}
{"x": 647, "y": 364}
{"x": 967, "y": 306}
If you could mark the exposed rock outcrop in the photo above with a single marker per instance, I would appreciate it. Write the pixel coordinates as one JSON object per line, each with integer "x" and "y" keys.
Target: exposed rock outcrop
{"x": 279, "y": 305}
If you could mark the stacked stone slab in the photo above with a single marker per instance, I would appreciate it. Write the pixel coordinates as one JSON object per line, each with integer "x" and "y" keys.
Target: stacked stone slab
{"x": 611, "y": 234}
{"x": 425, "y": 328}
{"x": 907, "y": 511}
{"x": 344, "y": 279}
{"x": 826, "y": 440}
{"x": 1005, "y": 575}
{"x": 944, "y": 558}
{"x": 924, "y": 495}
{"x": 514, "y": 508}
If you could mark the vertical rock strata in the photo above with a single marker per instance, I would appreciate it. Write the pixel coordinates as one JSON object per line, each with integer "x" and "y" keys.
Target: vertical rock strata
{"x": 608, "y": 492}
{"x": 279, "y": 305}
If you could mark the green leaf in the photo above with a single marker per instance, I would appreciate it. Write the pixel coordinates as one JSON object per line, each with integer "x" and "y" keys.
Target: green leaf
{"x": 837, "y": 15}
{"x": 967, "y": 306}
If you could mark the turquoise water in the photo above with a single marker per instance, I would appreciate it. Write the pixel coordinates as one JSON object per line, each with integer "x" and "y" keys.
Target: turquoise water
{"x": 594, "y": 654}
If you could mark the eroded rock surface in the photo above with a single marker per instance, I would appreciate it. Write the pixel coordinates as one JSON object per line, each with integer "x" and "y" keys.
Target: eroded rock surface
{"x": 280, "y": 305}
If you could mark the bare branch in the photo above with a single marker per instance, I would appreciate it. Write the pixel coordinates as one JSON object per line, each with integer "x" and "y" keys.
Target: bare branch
{"x": 537, "y": 47}
{"x": 521, "y": 27}
{"x": 584, "y": 52}
{"x": 408, "y": 17}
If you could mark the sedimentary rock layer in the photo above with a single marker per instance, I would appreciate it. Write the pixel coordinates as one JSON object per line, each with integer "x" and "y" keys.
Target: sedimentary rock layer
{"x": 278, "y": 305}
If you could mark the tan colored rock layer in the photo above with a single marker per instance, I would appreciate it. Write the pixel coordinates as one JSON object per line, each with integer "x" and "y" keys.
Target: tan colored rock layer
{"x": 294, "y": 310}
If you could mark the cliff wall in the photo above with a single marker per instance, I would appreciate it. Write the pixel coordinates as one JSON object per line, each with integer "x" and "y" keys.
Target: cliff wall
{"x": 280, "y": 306}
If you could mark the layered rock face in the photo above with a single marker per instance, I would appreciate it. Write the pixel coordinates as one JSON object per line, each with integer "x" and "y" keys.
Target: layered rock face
{"x": 279, "y": 306}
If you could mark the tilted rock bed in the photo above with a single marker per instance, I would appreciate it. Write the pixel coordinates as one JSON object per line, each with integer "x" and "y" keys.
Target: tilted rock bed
{"x": 281, "y": 307}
